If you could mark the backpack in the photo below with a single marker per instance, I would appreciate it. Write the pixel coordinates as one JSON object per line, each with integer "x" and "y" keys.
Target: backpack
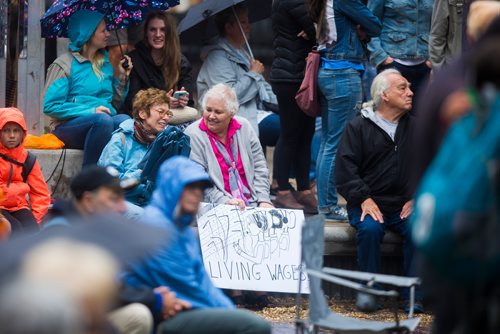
{"x": 27, "y": 165}
{"x": 456, "y": 225}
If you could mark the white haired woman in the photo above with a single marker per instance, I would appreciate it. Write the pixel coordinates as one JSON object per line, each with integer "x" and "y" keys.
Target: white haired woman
{"x": 230, "y": 151}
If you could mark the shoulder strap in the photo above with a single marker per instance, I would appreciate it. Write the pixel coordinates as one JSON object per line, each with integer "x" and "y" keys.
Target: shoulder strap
{"x": 28, "y": 165}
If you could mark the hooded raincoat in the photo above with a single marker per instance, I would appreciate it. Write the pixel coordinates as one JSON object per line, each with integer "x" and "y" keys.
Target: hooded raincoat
{"x": 72, "y": 89}
{"x": 179, "y": 265}
{"x": 222, "y": 63}
{"x": 15, "y": 190}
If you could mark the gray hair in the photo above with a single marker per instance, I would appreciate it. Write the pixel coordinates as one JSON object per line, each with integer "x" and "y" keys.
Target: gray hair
{"x": 381, "y": 84}
{"x": 224, "y": 93}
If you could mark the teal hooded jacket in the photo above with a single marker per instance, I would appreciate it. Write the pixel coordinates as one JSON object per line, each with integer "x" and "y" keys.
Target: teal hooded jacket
{"x": 72, "y": 89}
{"x": 178, "y": 265}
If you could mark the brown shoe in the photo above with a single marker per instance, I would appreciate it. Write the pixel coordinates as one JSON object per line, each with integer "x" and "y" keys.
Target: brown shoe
{"x": 286, "y": 200}
{"x": 308, "y": 200}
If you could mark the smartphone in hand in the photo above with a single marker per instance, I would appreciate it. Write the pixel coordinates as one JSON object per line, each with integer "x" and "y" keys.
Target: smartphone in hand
{"x": 180, "y": 93}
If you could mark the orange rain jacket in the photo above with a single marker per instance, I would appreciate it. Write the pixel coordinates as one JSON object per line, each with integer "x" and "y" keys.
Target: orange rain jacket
{"x": 15, "y": 191}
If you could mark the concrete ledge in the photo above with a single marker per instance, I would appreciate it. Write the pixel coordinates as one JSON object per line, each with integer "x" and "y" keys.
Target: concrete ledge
{"x": 340, "y": 239}
{"x": 58, "y": 168}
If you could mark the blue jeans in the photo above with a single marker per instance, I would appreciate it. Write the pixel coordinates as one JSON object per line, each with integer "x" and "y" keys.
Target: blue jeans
{"x": 315, "y": 143}
{"x": 269, "y": 133}
{"x": 340, "y": 98}
{"x": 370, "y": 233}
{"x": 90, "y": 133}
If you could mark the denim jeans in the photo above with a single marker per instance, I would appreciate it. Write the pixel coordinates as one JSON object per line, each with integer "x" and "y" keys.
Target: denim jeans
{"x": 315, "y": 143}
{"x": 90, "y": 133}
{"x": 370, "y": 233}
{"x": 340, "y": 98}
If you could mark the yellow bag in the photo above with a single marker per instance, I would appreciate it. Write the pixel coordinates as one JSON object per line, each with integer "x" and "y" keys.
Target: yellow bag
{"x": 44, "y": 142}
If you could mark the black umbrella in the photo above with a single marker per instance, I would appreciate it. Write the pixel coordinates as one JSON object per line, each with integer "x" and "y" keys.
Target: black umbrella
{"x": 198, "y": 24}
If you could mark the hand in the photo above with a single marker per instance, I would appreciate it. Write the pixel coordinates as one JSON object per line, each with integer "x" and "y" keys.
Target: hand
{"x": 406, "y": 210}
{"x": 455, "y": 106}
{"x": 256, "y": 66}
{"x": 171, "y": 305}
{"x": 123, "y": 71}
{"x": 369, "y": 207}
{"x": 361, "y": 33}
{"x": 429, "y": 64}
{"x": 183, "y": 100}
{"x": 5, "y": 228}
{"x": 238, "y": 202}
{"x": 303, "y": 35}
{"x": 102, "y": 110}
{"x": 266, "y": 205}
{"x": 388, "y": 60}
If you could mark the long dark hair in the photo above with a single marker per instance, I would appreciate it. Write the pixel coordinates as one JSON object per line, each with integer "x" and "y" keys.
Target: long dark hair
{"x": 315, "y": 7}
{"x": 171, "y": 53}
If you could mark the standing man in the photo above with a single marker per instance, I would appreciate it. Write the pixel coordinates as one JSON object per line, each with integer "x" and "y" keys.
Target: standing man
{"x": 373, "y": 166}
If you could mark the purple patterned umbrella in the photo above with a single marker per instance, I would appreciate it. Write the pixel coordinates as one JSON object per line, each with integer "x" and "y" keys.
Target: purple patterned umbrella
{"x": 119, "y": 13}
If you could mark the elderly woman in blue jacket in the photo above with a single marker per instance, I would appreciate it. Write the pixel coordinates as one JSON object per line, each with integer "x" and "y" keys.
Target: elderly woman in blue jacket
{"x": 130, "y": 142}
{"x": 342, "y": 25}
{"x": 404, "y": 41}
{"x": 179, "y": 265}
{"x": 81, "y": 93}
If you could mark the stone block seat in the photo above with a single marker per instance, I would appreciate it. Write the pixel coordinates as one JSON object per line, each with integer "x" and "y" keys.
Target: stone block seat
{"x": 58, "y": 168}
{"x": 340, "y": 239}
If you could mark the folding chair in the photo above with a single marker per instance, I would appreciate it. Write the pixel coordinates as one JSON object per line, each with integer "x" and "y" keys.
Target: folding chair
{"x": 320, "y": 314}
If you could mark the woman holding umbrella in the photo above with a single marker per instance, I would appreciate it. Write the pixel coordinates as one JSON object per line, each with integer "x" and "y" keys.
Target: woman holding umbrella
{"x": 159, "y": 63}
{"x": 81, "y": 94}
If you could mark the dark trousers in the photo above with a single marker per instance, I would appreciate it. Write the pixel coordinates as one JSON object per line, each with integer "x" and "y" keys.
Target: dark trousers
{"x": 90, "y": 133}
{"x": 217, "y": 321}
{"x": 418, "y": 76}
{"x": 269, "y": 132}
{"x": 21, "y": 221}
{"x": 294, "y": 145}
{"x": 370, "y": 233}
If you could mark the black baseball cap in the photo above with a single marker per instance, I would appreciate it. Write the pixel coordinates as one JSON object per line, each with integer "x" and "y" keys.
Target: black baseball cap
{"x": 94, "y": 177}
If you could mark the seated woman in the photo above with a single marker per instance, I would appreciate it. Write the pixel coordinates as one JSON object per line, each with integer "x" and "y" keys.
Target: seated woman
{"x": 81, "y": 93}
{"x": 229, "y": 149}
{"x": 159, "y": 63}
{"x": 130, "y": 142}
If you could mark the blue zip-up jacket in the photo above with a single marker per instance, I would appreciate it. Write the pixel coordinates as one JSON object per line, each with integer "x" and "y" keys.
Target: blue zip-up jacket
{"x": 179, "y": 265}
{"x": 123, "y": 152}
{"x": 72, "y": 89}
{"x": 348, "y": 14}
{"x": 405, "y": 30}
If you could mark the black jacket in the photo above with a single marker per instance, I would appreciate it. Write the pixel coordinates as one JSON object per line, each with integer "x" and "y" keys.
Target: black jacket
{"x": 289, "y": 18}
{"x": 145, "y": 74}
{"x": 369, "y": 164}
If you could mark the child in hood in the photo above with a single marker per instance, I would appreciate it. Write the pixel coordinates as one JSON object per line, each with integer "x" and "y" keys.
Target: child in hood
{"x": 25, "y": 202}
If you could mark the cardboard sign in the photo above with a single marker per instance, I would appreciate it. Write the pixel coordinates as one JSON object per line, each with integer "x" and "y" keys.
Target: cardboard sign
{"x": 256, "y": 249}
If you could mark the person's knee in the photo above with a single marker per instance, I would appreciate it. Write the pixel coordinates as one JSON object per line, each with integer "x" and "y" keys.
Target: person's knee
{"x": 133, "y": 318}
{"x": 370, "y": 228}
{"x": 252, "y": 323}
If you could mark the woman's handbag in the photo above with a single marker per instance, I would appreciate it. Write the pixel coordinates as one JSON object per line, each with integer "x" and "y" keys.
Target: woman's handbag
{"x": 307, "y": 95}
{"x": 183, "y": 115}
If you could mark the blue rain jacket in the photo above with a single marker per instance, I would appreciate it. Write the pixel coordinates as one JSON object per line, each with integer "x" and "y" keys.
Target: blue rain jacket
{"x": 72, "y": 89}
{"x": 179, "y": 265}
{"x": 123, "y": 152}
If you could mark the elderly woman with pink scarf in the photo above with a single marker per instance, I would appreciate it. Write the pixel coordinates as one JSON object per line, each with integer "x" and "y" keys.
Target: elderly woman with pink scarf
{"x": 230, "y": 151}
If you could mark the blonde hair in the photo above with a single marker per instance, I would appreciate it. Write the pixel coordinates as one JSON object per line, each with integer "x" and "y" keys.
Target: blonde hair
{"x": 481, "y": 14}
{"x": 97, "y": 61}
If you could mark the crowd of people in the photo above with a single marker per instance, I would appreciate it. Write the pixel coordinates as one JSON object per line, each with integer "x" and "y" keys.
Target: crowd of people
{"x": 149, "y": 155}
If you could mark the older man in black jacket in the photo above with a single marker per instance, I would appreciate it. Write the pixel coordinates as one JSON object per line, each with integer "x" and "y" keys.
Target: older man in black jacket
{"x": 372, "y": 169}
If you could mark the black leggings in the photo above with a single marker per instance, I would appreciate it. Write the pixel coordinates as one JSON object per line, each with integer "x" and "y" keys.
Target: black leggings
{"x": 21, "y": 221}
{"x": 294, "y": 144}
